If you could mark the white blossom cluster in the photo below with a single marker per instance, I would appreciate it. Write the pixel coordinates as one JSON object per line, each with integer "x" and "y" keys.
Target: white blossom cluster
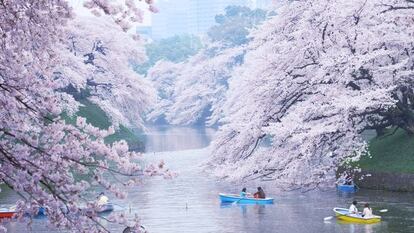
{"x": 314, "y": 77}
{"x": 50, "y": 163}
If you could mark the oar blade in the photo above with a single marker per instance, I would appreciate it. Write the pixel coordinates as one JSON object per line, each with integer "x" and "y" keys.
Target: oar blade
{"x": 327, "y": 218}
{"x": 235, "y": 202}
{"x": 383, "y": 210}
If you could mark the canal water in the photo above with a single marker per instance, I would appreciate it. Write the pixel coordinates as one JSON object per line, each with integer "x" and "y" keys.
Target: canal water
{"x": 189, "y": 202}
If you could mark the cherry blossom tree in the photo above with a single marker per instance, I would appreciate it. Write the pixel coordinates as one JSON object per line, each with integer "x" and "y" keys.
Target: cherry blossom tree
{"x": 200, "y": 89}
{"x": 124, "y": 13}
{"x": 163, "y": 75}
{"x": 314, "y": 78}
{"x": 49, "y": 163}
{"x": 104, "y": 54}
{"x": 201, "y": 83}
{"x": 175, "y": 49}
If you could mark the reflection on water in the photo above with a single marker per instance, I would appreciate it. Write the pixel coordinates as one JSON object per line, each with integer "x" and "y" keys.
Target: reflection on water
{"x": 165, "y": 138}
{"x": 190, "y": 202}
{"x": 366, "y": 228}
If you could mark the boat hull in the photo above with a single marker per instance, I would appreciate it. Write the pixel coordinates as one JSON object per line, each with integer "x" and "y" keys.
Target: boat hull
{"x": 106, "y": 208}
{"x": 232, "y": 198}
{"x": 343, "y": 214}
{"x": 6, "y": 214}
{"x": 347, "y": 188}
{"x": 41, "y": 211}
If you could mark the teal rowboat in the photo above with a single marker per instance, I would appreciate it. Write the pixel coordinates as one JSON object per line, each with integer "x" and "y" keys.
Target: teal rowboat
{"x": 233, "y": 198}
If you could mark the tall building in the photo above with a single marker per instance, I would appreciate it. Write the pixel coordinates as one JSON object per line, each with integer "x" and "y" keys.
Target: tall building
{"x": 188, "y": 16}
{"x": 263, "y": 4}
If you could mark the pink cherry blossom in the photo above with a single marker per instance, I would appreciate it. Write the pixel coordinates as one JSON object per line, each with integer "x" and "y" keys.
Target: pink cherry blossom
{"x": 315, "y": 76}
{"x": 42, "y": 48}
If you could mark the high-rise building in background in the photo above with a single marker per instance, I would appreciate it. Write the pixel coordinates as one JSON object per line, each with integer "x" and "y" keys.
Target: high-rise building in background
{"x": 263, "y": 4}
{"x": 189, "y": 16}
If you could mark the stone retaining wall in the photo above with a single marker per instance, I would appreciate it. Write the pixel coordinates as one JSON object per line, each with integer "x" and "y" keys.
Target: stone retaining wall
{"x": 386, "y": 181}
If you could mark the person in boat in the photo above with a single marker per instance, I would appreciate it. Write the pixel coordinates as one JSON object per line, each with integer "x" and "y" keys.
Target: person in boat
{"x": 243, "y": 193}
{"x": 102, "y": 199}
{"x": 348, "y": 180}
{"x": 353, "y": 209}
{"x": 260, "y": 193}
{"x": 367, "y": 212}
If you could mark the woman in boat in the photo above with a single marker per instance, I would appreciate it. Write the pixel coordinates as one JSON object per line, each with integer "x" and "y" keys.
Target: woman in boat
{"x": 243, "y": 193}
{"x": 353, "y": 209}
{"x": 260, "y": 193}
{"x": 367, "y": 212}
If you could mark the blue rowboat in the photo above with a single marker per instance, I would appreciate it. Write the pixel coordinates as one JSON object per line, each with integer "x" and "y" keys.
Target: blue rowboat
{"x": 41, "y": 211}
{"x": 244, "y": 200}
{"x": 347, "y": 188}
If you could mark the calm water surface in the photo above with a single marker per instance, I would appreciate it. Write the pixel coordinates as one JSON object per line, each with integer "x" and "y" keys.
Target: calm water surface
{"x": 189, "y": 203}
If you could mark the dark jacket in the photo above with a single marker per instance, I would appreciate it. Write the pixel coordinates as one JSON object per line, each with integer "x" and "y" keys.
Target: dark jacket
{"x": 260, "y": 194}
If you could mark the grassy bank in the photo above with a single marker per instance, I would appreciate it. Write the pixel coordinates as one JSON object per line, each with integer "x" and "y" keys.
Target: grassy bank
{"x": 98, "y": 118}
{"x": 390, "y": 153}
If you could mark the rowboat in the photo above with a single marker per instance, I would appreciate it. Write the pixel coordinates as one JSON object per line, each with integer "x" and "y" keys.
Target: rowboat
{"x": 100, "y": 209}
{"x": 41, "y": 211}
{"x": 347, "y": 188}
{"x": 105, "y": 208}
{"x": 344, "y": 215}
{"x": 6, "y": 213}
{"x": 234, "y": 198}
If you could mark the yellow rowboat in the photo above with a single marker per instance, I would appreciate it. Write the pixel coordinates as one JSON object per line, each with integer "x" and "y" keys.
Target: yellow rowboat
{"x": 344, "y": 215}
